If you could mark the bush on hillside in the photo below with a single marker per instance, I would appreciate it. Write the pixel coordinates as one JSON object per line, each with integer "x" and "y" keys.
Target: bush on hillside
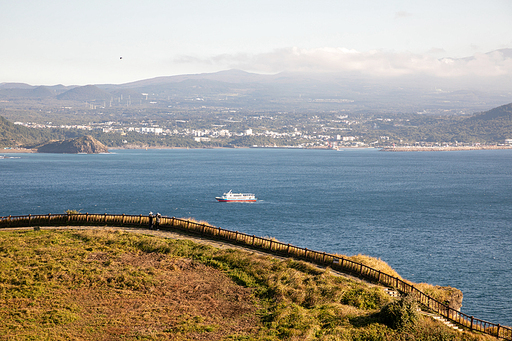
{"x": 401, "y": 313}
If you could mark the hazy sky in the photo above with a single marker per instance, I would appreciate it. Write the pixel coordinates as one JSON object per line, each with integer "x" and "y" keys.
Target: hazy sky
{"x": 82, "y": 41}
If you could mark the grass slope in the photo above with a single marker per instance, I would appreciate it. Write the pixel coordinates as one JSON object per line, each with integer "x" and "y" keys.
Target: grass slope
{"x": 91, "y": 285}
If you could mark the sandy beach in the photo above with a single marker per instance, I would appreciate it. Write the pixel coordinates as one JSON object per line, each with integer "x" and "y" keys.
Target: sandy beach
{"x": 17, "y": 150}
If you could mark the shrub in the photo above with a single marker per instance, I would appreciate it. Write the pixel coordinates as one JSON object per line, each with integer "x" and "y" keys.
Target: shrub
{"x": 401, "y": 313}
{"x": 364, "y": 298}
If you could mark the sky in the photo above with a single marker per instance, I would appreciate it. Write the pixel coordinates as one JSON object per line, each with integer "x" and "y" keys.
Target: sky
{"x": 83, "y": 42}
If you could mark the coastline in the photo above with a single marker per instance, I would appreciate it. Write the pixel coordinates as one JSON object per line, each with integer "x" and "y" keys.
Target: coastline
{"x": 384, "y": 149}
{"x": 441, "y": 149}
{"x": 18, "y": 150}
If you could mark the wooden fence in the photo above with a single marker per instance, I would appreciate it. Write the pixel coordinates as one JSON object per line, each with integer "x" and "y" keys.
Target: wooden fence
{"x": 269, "y": 245}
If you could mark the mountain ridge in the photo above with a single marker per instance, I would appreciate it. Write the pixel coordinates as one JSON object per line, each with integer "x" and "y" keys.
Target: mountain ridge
{"x": 348, "y": 91}
{"x": 85, "y": 93}
{"x": 504, "y": 111}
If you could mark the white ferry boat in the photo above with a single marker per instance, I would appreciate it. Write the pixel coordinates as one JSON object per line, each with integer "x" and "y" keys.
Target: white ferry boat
{"x": 236, "y": 197}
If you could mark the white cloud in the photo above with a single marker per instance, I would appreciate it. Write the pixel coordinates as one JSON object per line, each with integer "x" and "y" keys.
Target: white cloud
{"x": 373, "y": 63}
{"x": 402, "y": 14}
{"x": 436, "y": 50}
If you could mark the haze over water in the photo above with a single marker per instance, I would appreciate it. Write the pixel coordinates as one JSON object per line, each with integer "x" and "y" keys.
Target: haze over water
{"x": 436, "y": 217}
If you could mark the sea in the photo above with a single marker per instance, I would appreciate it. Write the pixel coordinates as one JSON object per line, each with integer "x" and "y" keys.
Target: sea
{"x": 442, "y": 218}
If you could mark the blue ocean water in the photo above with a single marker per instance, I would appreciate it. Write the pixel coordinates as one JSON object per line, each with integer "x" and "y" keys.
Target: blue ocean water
{"x": 438, "y": 217}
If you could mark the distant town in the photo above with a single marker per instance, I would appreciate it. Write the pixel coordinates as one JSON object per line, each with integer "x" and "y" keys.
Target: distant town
{"x": 237, "y": 109}
{"x": 334, "y": 133}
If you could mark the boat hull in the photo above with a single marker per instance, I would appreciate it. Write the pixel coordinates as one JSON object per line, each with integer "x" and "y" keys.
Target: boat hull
{"x": 236, "y": 197}
{"x": 235, "y": 200}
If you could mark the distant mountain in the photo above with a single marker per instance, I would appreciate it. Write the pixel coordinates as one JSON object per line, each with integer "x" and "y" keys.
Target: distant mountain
{"x": 349, "y": 92}
{"x": 32, "y": 92}
{"x": 42, "y": 92}
{"x": 15, "y": 86}
{"x": 126, "y": 94}
{"x": 85, "y": 93}
{"x": 227, "y": 76}
{"x": 505, "y": 53}
{"x": 503, "y": 112}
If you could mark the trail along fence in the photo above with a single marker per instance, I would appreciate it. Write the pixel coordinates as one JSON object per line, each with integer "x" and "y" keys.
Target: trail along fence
{"x": 269, "y": 245}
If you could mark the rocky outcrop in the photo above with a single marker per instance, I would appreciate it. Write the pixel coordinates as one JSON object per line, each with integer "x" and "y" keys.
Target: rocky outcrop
{"x": 85, "y": 144}
{"x": 455, "y": 300}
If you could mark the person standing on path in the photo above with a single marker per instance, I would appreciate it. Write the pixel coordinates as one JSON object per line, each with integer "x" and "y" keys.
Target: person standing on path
{"x": 157, "y": 220}
{"x": 150, "y": 220}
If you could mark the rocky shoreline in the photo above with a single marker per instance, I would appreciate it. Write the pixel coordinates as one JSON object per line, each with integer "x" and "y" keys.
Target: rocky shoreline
{"x": 441, "y": 149}
{"x": 385, "y": 149}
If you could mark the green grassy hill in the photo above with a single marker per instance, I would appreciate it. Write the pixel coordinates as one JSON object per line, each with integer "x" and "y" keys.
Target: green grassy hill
{"x": 90, "y": 285}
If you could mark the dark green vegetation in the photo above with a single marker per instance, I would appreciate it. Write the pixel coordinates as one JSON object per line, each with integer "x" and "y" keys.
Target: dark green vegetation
{"x": 493, "y": 126}
{"x": 12, "y": 135}
{"x": 111, "y": 285}
{"x": 401, "y": 314}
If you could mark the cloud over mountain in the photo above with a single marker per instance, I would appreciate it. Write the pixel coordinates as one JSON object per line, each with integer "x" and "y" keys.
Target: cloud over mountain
{"x": 376, "y": 63}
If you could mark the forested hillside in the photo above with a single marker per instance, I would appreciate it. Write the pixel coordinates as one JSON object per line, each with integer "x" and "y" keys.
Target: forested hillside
{"x": 12, "y": 135}
{"x": 490, "y": 127}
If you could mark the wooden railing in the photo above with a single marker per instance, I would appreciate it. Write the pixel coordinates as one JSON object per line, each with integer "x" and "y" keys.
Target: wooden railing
{"x": 269, "y": 245}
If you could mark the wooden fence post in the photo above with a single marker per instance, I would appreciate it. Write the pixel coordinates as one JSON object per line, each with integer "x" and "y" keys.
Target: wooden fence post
{"x": 29, "y": 220}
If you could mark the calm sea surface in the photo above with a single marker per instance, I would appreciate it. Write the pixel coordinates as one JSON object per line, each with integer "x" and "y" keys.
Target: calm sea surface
{"x": 438, "y": 217}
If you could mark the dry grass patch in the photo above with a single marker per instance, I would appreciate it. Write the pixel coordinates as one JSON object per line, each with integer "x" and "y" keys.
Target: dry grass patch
{"x": 375, "y": 263}
{"x": 90, "y": 285}
{"x": 68, "y": 288}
